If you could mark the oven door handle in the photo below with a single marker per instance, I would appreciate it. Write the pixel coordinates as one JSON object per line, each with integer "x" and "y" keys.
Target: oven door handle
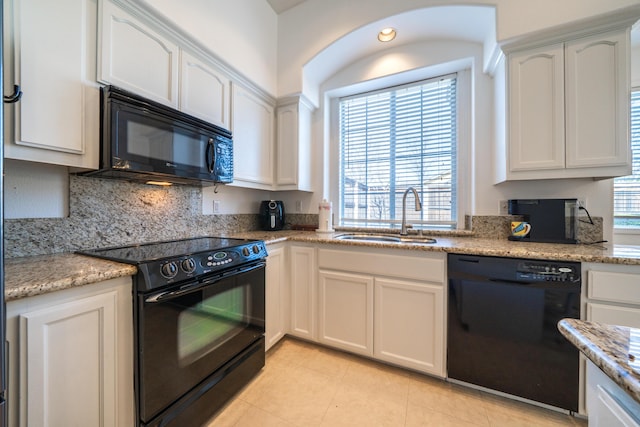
{"x": 165, "y": 296}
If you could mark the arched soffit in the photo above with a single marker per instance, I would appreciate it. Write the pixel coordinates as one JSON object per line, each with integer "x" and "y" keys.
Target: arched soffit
{"x": 475, "y": 24}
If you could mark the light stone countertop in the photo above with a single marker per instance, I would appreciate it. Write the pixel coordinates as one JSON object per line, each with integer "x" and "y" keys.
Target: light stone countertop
{"x": 610, "y": 349}
{"x": 464, "y": 244}
{"x": 30, "y": 276}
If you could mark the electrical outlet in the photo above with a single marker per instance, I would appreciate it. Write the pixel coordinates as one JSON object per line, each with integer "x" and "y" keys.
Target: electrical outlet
{"x": 504, "y": 207}
{"x": 298, "y": 206}
{"x": 216, "y": 206}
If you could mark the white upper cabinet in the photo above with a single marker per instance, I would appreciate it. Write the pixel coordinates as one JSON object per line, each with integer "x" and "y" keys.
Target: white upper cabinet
{"x": 597, "y": 97}
{"x": 568, "y": 109}
{"x": 252, "y": 121}
{"x": 537, "y": 109}
{"x": 293, "y": 145}
{"x": 204, "y": 91}
{"x": 136, "y": 57}
{"x": 49, "y": 50}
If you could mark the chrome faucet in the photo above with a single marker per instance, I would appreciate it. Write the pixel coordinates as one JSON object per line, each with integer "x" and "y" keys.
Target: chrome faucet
{"x": 403, "y": 229}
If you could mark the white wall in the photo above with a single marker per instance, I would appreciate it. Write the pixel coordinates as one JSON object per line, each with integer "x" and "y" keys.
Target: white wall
{"x": 310, "y": 27}
{"x": 242, "y": 33}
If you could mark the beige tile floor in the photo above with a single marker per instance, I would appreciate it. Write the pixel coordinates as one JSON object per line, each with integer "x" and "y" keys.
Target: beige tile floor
{"x": 308, "y": 385}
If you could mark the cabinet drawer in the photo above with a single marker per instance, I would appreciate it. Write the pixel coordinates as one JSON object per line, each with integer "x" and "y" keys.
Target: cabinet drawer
{"x": 426, "y": 267}
{"x": 613, "y": 315}
{"x": 611, "y": 286}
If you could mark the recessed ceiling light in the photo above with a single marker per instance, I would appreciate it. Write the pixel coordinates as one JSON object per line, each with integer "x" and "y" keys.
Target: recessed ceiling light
{"x": 387, "y": 34}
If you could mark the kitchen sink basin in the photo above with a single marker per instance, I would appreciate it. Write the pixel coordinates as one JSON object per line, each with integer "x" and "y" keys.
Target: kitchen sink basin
{"x": 385, "y": 238}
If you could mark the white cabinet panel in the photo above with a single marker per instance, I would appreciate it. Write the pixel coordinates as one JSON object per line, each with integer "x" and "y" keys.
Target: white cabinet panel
{"x": 204, "y": 91}
{"x": 303, "y": 291}
{"x": 133, "y": 56}
{"x": 597, "y": 98}
{"x": 568, "y": 110}
{"x": 536, "y": 91}
{"x": 409, "y": 324}
{"x": 608, "y": 404}
{"x": 275, "y": 296}
{"x": 50, "y": 52}
{"x": 71, "y": 357}
{"x": 293, "y": 147}
{"x": 346, "y": 311}
{"x": 613, "y": 294}
{"x": 408, "y": 305}
{"x": 252, "y": 122}
{"x": 614, "y": 315}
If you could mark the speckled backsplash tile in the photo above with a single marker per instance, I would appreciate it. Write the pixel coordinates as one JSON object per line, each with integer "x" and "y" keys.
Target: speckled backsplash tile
{"x": 498, "y": 227}
{"x": 105, "y": 213}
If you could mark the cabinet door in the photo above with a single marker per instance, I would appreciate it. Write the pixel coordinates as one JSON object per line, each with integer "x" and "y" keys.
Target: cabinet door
{"x": 536, "y": 109}
{"x": 409, "y": 324}
{"x": 51, "y": 46}
{"x": 346, "y": 311}
{"x": 303, "y": 292}
{"x": 70, "y": 354}
{"x": 597, "y": 98}
{"x": 293, "y": 147}
{"x": 252, "y": 126}
{"x": 275, "y": 296}
{"x": 133, "y": 56}
{"x": 204, "y": 91}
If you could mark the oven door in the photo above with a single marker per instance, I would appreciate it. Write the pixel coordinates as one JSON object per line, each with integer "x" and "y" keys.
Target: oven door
{"x": 185, "y": 333}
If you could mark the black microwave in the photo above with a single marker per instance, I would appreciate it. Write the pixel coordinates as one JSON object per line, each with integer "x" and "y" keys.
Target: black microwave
{"x": 144, "y": 141}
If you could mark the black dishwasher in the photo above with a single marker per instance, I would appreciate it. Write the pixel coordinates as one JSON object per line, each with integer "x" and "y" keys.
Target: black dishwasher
{"x": 502, "y": 332}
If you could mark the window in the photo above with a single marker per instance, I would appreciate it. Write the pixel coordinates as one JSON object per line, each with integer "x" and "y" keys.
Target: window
{"x": 626, "y": 189}
{"x": 397, "y": 138}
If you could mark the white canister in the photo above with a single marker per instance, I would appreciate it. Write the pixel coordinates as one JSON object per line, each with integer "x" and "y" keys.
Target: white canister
{"x": 325, "y": 218}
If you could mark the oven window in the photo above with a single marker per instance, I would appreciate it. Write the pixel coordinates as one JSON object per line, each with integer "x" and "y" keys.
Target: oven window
{"x": 207, "y": 325}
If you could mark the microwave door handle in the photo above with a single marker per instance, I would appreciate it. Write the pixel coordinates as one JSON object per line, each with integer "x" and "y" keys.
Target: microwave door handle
{"x": 210, "y": 154}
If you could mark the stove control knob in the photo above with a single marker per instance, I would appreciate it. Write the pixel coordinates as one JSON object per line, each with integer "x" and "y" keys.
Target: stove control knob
{"x": 188, "y": 265}
{"x": 245, "y": 251}
{"x": 256, "y": 249}
{"x": 169, "y": 270}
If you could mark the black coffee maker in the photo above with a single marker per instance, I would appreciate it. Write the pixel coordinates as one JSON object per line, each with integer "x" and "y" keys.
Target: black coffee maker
{"x": 271, "y": 215}
{"x": 551, "y": 220}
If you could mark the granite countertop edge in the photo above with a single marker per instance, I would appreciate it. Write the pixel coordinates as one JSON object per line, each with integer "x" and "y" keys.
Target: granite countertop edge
{"x": 35, "y": 275}
{"x": 607, "y": 346}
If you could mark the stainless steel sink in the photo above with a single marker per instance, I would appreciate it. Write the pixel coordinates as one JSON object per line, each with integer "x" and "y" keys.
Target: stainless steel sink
{"x": 369, "y": 237}
{"x": 385, "y": 238}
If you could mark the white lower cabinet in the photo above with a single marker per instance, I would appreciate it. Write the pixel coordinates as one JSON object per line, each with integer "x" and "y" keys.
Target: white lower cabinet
{"x": 71, "y": 357}
{"x": 613, "y": 294}
{"x": 276, "y": 293}
{"x": 388, "y": 304}
{"x": 346, "y": 311}
{"x": 609, "y": 405}
{"x": 303, "y": 286}
{"x": 409, "y": 324}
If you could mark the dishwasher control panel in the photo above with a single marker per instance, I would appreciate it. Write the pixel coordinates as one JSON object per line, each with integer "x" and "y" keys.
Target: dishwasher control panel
{"x": 546, "y": 271}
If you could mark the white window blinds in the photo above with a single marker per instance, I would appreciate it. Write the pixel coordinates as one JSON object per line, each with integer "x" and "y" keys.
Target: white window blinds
{"x": 626, "y": 189}
{"x": 394, "y": 139}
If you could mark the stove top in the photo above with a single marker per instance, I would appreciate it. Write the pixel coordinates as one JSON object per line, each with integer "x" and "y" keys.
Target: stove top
{"x": 171, "y": 262}
{"x": 154, "y": 251}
